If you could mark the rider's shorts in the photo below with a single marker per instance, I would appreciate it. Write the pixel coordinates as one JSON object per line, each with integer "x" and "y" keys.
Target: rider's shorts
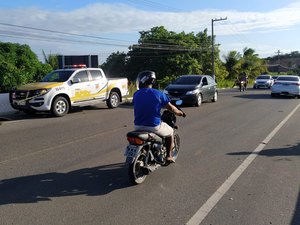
{"x": 163, "y": 130}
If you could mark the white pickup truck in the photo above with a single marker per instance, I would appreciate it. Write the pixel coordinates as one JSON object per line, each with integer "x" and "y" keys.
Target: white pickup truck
{"x": 62, "y": 89}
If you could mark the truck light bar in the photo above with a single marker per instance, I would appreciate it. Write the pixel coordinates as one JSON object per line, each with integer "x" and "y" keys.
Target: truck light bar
{"x": 75, "y": 66}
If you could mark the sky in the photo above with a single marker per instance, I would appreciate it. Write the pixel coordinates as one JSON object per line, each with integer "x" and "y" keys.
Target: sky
{"x": 84, "y": 27}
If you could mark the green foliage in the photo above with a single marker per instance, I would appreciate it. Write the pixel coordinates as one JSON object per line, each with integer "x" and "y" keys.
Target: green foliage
{"x": 162, "y": 83}
{"x": 231, "y": 64}
{"x": 19, "y": 65}
{"x": 249, "y": 63}
{"x": 52, "y": 60}
{"x": 226, "y": 83}
{"x": 115, "y": 65}
{"x": 168, "y": 53}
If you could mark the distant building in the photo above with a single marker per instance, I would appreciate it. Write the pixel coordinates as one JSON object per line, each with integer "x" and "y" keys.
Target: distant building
{"x": 278, "y": 68}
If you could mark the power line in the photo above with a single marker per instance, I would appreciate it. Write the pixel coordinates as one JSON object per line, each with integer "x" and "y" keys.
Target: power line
{"x": 157, "y": 44}
{"x": 58, "y": 32}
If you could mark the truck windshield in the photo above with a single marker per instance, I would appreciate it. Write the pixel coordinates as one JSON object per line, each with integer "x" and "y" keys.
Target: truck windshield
{"x": 58, "y": 76}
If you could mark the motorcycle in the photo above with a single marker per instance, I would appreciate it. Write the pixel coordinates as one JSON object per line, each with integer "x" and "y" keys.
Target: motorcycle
{"x": 147, "y": 151}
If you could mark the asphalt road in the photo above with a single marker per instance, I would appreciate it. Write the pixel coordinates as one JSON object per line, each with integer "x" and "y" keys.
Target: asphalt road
{"x": 239, "y": 165}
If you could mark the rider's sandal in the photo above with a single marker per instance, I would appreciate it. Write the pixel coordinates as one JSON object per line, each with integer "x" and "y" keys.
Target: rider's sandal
{"x": 170, "y": 160}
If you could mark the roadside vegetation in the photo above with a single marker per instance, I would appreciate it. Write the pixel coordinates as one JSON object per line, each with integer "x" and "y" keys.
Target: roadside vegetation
{"x": 167, "y": 53}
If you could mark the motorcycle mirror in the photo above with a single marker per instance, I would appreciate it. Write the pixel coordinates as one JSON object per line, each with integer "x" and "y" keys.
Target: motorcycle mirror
{"x": 178, "y": 102}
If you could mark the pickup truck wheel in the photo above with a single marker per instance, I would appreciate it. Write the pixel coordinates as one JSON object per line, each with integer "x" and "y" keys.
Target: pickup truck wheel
{"x": 60, "y": 106}
{"x": 114, "y": 100}
{"x": 198, "y": 100}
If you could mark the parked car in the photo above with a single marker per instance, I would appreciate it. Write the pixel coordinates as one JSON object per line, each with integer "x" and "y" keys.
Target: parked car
{"x": 263, "y": 81}
{"x": 286, "y": 85}
{"x": 193, "y": 89}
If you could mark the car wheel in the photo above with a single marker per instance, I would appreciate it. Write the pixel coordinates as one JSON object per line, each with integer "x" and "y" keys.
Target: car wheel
{"x": 60, "y": 106}
{"x": 199, "y": 100}
{"x": 215, "y": 98}
{"x": 114, "y": 100}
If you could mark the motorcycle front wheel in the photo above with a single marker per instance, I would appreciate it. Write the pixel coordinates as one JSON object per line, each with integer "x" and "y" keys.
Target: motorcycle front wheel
{"x": 136, "y": 174}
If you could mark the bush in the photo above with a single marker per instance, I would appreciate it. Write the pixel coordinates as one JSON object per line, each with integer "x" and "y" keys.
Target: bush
{"x": 19, "y": 65}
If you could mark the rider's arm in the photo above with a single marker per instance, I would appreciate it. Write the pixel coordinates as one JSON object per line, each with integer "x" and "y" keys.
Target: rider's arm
{"x": 173, "y": 109}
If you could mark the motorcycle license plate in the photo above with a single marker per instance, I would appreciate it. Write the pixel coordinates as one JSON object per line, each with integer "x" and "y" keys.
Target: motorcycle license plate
{"x": 131, "y": 151}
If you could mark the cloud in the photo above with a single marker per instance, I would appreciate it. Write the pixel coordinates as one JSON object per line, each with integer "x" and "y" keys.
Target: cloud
{"x": 120, "y": 18}
{"x": 114, "y": 20}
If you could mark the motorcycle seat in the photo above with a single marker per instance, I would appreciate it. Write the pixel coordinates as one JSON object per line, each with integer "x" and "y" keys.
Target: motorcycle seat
{"x": 144, "y": 135}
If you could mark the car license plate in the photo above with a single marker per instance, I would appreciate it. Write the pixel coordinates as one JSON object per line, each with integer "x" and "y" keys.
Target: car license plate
{"x": 22, "y": 103}
{"x": 131, "y": 151}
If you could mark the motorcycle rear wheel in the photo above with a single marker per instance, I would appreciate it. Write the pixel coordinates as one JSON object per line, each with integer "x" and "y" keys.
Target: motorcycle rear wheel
{"x": 136, "y": 174}
{"x": 176, "y": 148}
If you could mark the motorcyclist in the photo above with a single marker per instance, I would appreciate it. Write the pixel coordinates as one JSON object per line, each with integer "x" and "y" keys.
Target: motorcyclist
{"x": 244, "y": 78}
{"x": 147, "y": 103}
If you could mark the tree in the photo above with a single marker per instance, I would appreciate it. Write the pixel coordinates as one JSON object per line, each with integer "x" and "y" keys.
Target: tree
{"x": 231, "y": 63}
{"x": 19, "y": 65}
{"x": 115, "y": 65}
{"x": 170, "y": 54}
{"x": 51, "y": 59}
{"x": 251, "y": 64}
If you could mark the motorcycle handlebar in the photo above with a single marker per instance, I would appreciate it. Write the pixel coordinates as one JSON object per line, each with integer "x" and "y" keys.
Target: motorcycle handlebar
{"x": 183, "y": 113}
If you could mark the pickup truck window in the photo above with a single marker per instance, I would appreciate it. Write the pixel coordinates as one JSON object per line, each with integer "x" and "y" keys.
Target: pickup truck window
{"x": 82, "y": 76}
{"x": 96, "y": 74}
{"x": 57, "y": 76}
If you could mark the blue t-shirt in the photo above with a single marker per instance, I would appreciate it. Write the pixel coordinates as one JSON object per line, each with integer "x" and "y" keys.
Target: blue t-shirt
{"x": 147, "y": 105}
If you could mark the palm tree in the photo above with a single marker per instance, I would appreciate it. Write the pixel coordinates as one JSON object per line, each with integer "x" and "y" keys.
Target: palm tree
{"x": 231, "y": 63}
{"x": 251, "y": 64}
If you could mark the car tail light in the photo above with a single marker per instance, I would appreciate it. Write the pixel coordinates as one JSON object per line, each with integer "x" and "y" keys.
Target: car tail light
{"x": 135, "y": 140}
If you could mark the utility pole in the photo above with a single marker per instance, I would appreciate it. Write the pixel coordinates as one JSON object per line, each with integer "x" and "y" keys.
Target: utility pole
{"x": 213, "y": 45}
{"x": 278, "y": 67}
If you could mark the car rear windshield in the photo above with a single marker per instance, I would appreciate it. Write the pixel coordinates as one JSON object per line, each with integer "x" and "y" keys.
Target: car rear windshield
{"x": 288, "y": 78}
{"x": 58, "y": 76}
{"x": 263, "y": 77}
{"x": 188, "y": 80}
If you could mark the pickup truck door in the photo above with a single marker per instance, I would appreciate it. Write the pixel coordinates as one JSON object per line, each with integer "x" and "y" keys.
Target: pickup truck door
{"x": 98, "y": 84}
{"x": 81, "y": 87}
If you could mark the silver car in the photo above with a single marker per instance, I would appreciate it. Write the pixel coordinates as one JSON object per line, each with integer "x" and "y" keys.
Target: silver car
{"x": 288, "y": 85}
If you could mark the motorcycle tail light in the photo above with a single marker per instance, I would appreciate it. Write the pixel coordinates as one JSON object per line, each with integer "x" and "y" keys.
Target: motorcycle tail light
{"x": 135, "y": 140}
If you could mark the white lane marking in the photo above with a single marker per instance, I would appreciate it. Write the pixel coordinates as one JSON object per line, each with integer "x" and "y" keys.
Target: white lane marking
{"x": 214, "y": 199}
